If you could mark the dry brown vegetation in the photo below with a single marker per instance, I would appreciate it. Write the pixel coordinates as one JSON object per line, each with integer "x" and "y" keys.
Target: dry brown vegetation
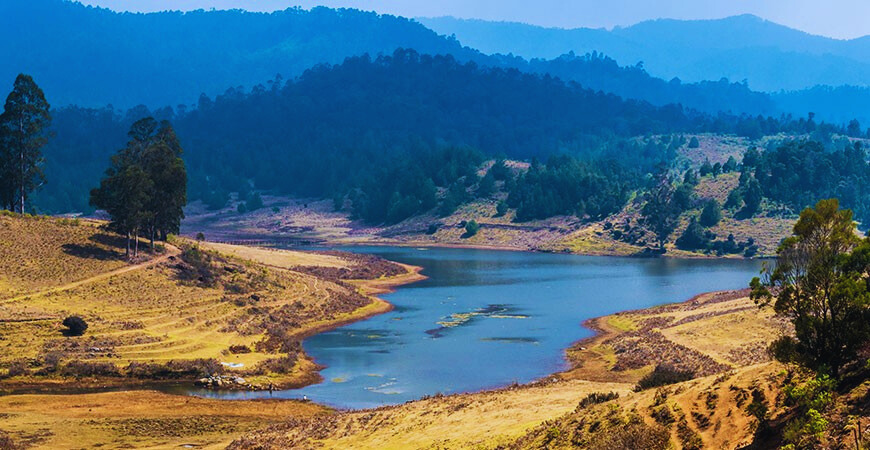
{"x": 137, "y": 419}
{"x": 38, "y": 253}
{"x": 186, "y": 314}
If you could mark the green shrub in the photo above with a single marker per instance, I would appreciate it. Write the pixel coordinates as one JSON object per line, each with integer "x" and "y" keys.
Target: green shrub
{"x": 471, "y": 228}
{"x": 663, "y": 375}
{"x": 76, "y": 326}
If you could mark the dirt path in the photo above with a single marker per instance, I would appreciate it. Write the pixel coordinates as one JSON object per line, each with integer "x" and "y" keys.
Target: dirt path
{"x": 171, "y": 251}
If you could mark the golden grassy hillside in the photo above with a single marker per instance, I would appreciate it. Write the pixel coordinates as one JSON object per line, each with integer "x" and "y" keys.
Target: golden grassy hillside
{"x": 187, "y": 312}
{"x": 137, "y": 419}
{"x": 38, "y": 253}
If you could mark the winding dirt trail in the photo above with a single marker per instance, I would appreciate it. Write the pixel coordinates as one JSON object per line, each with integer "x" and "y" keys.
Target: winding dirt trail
{"x": 171, "y": 251}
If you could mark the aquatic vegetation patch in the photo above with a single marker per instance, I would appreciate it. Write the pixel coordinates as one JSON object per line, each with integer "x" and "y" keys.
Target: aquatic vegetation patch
{"x": 512, "y": 340}
{"x": 493, "y": 311}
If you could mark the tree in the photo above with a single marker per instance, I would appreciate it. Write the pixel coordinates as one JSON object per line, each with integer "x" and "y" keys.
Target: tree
{"x": 820, "y": 282}
{"x": 76, "y": 326}
{"x": 694, "y": 237}
{"x": 161, "y": 160}
{"x": 471, "y": 228}
{"x": 730, "y": 165}
{"x": 501, "y": 208}
{"x": 660, "y": 213}
{"x": 22, "y": 135}
{"x": 693, "y": 143}
{"x": 123, "y": 193}
{"x": 145, "y": 188}
{"x": 711, "y": 214}
{"x": 486, "y": 186}
{"x": 752, "y": 198}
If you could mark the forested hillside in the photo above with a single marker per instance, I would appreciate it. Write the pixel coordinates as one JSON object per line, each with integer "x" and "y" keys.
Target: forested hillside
{"x": 94, "y": 57}
{"x": 170, "y": 58}
{"x": 387, "y": 133}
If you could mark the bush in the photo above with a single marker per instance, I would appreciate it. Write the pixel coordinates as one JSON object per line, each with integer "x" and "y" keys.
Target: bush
{"x": 501, "y": 208}
{"x": 76, "y": 326}
{"x": 89, "y": 369}
{"x": 471, "y": 228}
{"x": 693, "y": 143}
{"x": 433, "y": 228}
{"x": 712, "y": 214}
{"x": 597, "y": 397}
{"x": 632, "y": 435}
{"x": 694, "y": 237}
{"x": 17, "y": 369}
{"x": 663, "y": 375}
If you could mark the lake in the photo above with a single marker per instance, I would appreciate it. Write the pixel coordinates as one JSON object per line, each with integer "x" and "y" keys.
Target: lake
{"x": 487, "y": 318}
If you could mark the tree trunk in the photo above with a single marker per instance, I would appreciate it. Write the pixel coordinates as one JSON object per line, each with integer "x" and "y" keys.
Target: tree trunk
{"x": 152, "y": 238}
{"x": 127, "y": 254}
{"x": 136, "y": 251}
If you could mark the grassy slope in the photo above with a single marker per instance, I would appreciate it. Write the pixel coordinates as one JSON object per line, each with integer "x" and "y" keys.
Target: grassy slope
{"x": 138, "y": 419}
{"x": 41, "y": 253}
{"x": 150, "y": 315}
{"x": 717, "y": 335}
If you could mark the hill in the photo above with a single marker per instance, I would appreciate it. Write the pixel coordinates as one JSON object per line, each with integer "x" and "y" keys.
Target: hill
{"x": 772, "y": 57}
{"x": 93, "y": 57}
{"x": 185, "y": 311}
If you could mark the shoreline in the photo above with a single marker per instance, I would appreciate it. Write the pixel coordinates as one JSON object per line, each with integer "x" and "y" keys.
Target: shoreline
{"x": 273, "y": 242}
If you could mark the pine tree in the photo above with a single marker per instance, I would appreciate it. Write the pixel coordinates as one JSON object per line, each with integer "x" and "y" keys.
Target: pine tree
{"x": 22, "y": 135}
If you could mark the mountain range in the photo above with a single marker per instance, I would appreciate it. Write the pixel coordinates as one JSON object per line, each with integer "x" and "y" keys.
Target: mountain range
{"x": 94, "y": 57}
{"x": 769, "y": 56}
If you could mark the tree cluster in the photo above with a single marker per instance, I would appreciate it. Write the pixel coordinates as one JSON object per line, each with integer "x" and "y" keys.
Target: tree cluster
{"x": 820, "y": 281}
{"x": 145, "y": 187}
{"x": 799, "y": 173}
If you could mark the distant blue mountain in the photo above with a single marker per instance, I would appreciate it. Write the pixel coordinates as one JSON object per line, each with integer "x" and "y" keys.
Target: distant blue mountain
{"x": 771, "y": 57}
{"x": 93, "y": 57}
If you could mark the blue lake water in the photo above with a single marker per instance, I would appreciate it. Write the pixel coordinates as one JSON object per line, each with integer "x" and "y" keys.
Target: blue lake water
{"x": 485, "y": 319}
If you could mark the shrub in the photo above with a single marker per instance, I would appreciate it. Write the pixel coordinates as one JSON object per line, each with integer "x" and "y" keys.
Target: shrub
{"x": 89, "y": 369}
{"x": 712, "y": 214}
{"x": 632, "y": 435}
{"x": 663, "y": 375}
{"x": 501, "y": 208}
{"x": 694, "y": 237}
{"x": 6, "y": 442}
{"x": 76, "y": 326}
{"x": 18, "y": 368}
{"x": 433, "y": 228}
{"x": 471, "y": 228}
{"x": 597, "y": 397}
{"x": 693, "y": 143}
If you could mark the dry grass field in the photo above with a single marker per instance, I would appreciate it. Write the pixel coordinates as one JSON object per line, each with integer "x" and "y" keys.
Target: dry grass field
{"x": 138, "y": 419}
{"x": 38, "y": 253}
{"x": 189, "y": 312}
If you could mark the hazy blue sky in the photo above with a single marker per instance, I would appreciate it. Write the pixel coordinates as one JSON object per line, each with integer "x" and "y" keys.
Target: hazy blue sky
{"x": 835, "y": 18}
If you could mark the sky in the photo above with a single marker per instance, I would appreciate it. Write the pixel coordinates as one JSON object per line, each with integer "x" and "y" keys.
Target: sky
{"x": 842, "y": 19}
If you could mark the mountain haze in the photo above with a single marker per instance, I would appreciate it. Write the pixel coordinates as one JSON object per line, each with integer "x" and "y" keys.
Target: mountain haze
{"x": 771, "y": 57}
